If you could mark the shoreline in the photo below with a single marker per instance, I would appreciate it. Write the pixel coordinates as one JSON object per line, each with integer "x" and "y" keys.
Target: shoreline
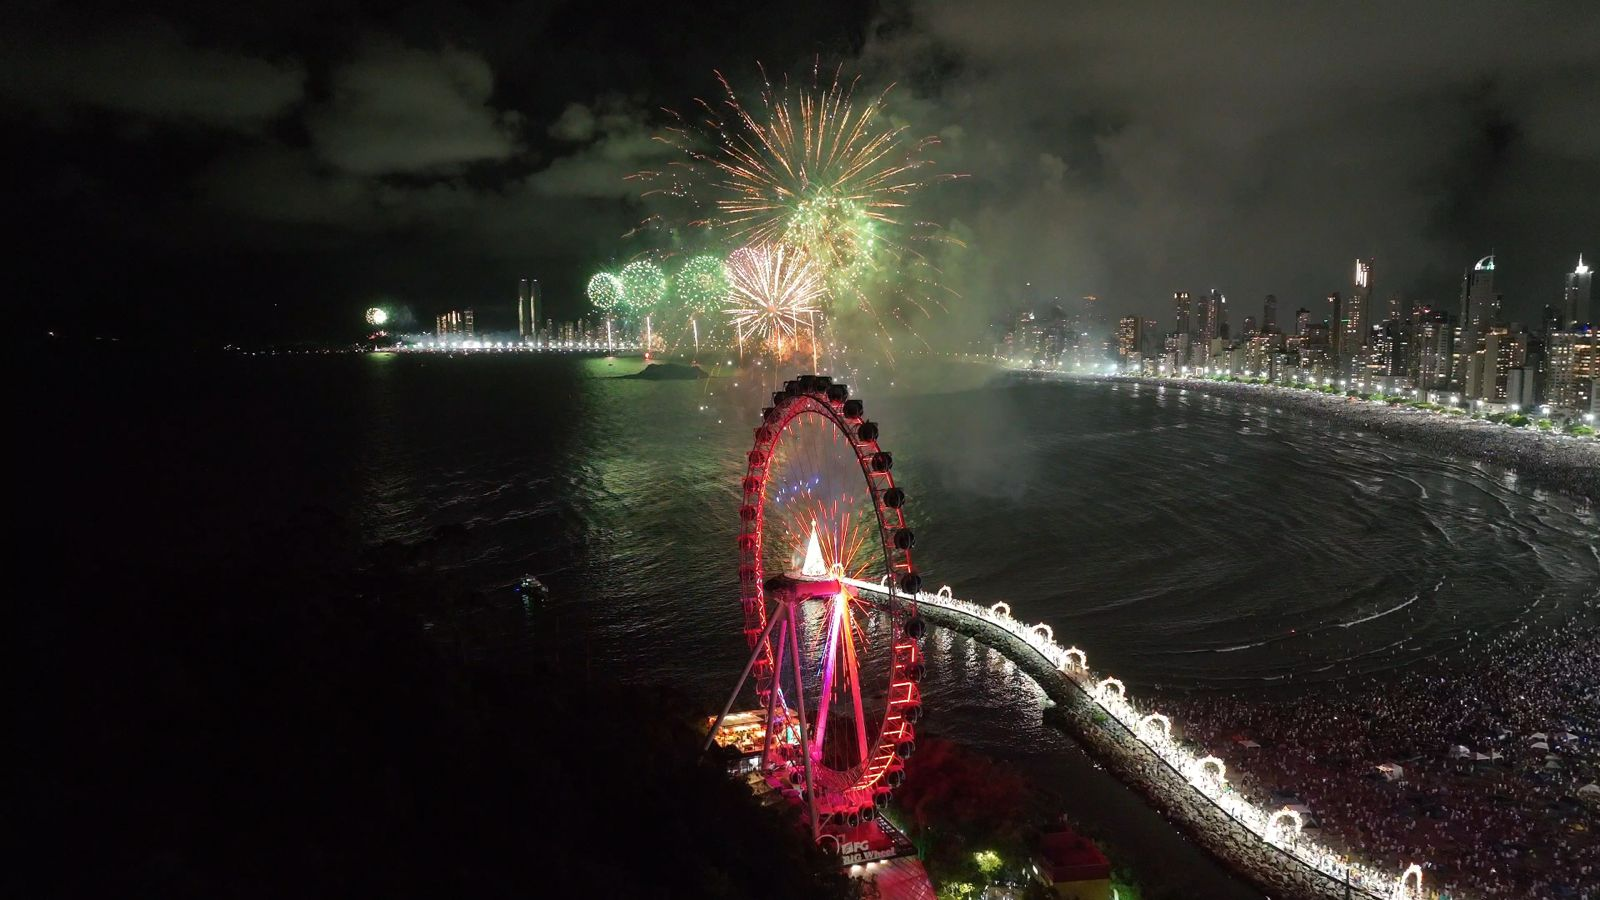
{"x": 1564, "y": 462}
{"x": 1223, "y": 838}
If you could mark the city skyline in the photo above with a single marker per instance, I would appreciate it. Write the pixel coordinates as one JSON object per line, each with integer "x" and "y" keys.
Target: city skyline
{"x": 1568, "y": 286}
{"x": 1467, "y": 359}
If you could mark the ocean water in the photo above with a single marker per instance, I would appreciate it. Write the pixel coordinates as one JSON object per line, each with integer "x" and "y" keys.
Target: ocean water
{"x": 1183, "y": 540}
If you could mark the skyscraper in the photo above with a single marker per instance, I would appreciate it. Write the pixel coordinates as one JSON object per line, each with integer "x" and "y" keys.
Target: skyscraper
{"x": 1575, "y": 299}
{"x": 528, "y": 308}
{"x": 1480, "y": 305}
{"x": 1269, "y": 314}
{"x": 1129, "y": 338}
{"x": 1180, "y": 308}
{"x": 1335, "y": 331}
{"x": 1433, "y": 348}
{"x": 525, "y": 322}
{"x": 1354, "y": 312}
{"x": 1215, "y": 313}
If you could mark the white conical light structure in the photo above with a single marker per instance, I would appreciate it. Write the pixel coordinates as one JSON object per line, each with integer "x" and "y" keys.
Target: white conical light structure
{"x": 814, "y": 567}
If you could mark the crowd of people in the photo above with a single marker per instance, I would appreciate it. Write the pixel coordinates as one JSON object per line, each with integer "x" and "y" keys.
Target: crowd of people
{"x": 1485, "y": 771}
{"x": 1561, "y": 461}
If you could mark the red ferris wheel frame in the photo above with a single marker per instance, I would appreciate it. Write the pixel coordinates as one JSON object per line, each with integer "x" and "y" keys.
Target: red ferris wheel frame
{"x": 834, "y": 799}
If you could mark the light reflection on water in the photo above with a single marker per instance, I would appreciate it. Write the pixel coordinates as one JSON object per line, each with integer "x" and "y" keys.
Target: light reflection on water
{"x": 1184, "y": 539}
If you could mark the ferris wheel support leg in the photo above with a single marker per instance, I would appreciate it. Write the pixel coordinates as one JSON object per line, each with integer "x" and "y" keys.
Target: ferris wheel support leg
{"x": 836, "y": 622}
{"x": 755, "y": 654}
{"x": 772, "y": 698}
{"x": 800, "y": 707}
{"x": 855, "y": 692}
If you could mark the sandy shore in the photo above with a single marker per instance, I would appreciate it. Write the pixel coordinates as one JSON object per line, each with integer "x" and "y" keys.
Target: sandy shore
{"x": 1560, "y": 461}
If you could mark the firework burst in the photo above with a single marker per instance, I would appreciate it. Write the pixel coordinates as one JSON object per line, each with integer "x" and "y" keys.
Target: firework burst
{"x": 644, "y": 286}
{"x": 703, "y": 285}
{"x": 604, "y": 291}
{"x": 772, "y": 295}
{"x": 813, "y": 168}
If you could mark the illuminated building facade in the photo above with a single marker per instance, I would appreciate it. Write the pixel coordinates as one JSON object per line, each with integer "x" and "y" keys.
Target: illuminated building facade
{"x": 1491, "y": 366}
{"x": 1432, "y": 348}
{"x": 1573, "y": 365}
{"x": 457, "y": 323}
{"x": 1130, "y": 334}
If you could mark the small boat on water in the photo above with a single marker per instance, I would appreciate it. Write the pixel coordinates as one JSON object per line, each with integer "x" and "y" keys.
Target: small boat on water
{"x": 532, "y": 590}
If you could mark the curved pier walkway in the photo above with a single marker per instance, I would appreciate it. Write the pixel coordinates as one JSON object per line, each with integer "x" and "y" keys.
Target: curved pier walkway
{"x": 1265, "y": 845}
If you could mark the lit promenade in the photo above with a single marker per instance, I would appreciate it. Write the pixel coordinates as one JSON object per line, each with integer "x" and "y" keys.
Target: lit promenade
{"x": 1195, "y": 788}
{"x": 478, "y": 346}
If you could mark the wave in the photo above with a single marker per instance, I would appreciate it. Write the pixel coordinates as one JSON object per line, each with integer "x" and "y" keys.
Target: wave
{"x": 1391, "y": 609}
{"x": 1379, "y": 615}
{"x": 1244, "y": 646}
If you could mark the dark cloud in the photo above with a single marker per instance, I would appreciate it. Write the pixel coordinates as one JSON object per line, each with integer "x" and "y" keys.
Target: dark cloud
{"x": 146, "y": 69}
{"x": 618, "y": 141}
{"x": 1130, "y": 150}
{"x": 577, "y": 123}
{"x": 1124, "y": 150}
{"x": 400, "y": 109}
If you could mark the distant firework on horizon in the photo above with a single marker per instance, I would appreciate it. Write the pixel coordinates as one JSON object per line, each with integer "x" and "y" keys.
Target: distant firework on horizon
{"x": 703, "y": 285}
{"x": 604, "y": 291}
{"x": 644, "y": 286}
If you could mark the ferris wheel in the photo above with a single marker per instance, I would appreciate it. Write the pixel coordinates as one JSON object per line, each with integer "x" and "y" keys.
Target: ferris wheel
{"x": 828, "y": 594}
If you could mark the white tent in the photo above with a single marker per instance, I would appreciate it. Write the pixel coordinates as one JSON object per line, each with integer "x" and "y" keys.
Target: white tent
{"x": 1460, "y": 752}
{"x": 1478, "y": 756}
{"x": 1567, "y": 736}
{"x": 1391, "y": 771}
{"x": 1540, "y": 745}
{"x": 1539, "y": 736}
{"x": 1590, "y": 788}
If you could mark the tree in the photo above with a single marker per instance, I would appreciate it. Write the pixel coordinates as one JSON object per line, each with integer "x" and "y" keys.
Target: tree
{"x": 964, "y": 811}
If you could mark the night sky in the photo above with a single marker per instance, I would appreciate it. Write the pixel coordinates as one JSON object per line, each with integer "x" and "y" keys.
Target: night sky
{"x": 227, "y": 172}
